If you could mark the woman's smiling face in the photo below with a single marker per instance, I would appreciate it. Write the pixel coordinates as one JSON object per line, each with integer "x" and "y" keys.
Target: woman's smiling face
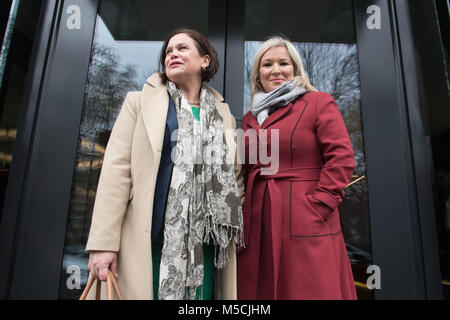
{"x": 276, "y": 67}
{"x": 183, "y": 60}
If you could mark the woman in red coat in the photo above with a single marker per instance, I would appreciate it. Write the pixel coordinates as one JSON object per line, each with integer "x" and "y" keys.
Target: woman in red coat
{"x": 294, "y": 248}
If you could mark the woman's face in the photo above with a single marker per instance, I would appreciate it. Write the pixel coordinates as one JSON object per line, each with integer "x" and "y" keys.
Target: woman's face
{"x": 276, "y": 67}
{"x": 183, "y": 61}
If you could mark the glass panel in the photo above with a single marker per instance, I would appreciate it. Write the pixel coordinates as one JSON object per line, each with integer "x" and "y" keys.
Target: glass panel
{"x": 14, "y": 66}
{"x": 323, "y": 33}
{"x": 128, "y": 37}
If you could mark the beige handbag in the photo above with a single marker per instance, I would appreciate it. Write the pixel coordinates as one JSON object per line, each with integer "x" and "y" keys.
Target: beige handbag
{"x": 112, "y": 285}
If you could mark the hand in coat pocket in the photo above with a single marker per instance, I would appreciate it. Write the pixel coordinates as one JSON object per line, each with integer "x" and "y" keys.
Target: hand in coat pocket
{"x": 321, "y": 208}
{"x": 305, "y": 215}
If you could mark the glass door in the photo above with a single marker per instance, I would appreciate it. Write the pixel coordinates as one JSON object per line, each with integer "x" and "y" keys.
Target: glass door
{"x": 354, "y": 50}
{"x": 324, "y": 34}
{"x": 125, "y": 52}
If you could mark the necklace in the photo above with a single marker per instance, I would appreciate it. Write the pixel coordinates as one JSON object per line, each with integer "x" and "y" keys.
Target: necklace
{"x": 194, "y": 103}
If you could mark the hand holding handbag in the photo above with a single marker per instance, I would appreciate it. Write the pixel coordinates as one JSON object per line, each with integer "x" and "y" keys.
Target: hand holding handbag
{"x": 112, "y": 285}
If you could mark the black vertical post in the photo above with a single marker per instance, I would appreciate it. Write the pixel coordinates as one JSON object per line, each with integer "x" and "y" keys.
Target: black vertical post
{"x": 396, "y": 244}
{"x": 11, "y": 218}
{"x": 421, "y": 150}
{"x": 217, "y": 17}
{"x": 44, "y": 202}
{"x": 234, "y": 71}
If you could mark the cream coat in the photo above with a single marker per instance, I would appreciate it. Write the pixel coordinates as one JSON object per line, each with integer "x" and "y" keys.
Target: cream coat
{"x": 122, "y": 216}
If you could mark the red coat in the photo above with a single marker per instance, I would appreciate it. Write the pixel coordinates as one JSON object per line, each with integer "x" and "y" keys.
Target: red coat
{"x": 293, "y": 238}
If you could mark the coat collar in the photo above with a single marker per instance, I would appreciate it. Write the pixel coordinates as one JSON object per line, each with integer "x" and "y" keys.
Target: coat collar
{"x": 275, "y": 116}
{"x": 155, "y": 104}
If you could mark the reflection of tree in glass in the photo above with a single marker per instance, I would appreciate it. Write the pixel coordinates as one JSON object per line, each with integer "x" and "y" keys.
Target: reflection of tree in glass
{"x": 333, "y": 68}
{"x": 107, "y": 85}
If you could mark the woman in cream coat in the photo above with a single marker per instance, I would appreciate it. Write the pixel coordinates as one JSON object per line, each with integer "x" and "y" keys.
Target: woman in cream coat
{"x": 120, "y": 235}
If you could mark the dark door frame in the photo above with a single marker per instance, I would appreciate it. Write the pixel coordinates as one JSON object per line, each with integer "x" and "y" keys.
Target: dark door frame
{"x": 32, "y": 230}
{"x": 11, "y": 220}
{"x": 420, "y": 150}
{"x": 38, "y": 212}
{"x": 403, "y": 237}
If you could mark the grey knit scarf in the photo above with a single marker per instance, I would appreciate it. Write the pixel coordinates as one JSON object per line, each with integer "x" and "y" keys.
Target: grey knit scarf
{"x": 263, "y": 102}
{"x": 203, "y": 203}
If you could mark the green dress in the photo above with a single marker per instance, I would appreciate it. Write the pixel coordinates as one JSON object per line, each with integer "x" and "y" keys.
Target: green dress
{"x": 206, "y": 291}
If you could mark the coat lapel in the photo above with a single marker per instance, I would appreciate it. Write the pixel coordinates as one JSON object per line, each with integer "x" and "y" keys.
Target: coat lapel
{"x": 155, "y": 104}
{"x": 276, "y": 115}
{"x": 252, "y": 122}
{"x": 280, "y": 112}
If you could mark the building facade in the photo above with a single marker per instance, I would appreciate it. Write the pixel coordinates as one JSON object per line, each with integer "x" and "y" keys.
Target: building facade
{"x": 66, "y": 66}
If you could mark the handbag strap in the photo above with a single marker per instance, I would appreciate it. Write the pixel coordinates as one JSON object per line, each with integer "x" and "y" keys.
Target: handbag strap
{"x": 111, "y": 283}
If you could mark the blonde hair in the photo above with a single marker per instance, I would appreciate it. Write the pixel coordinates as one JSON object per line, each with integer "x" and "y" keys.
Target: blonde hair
{"x": 299, "y": 71}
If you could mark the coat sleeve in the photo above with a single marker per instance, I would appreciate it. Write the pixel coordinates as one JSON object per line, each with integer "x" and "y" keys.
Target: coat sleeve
{"x": 114, "y": 185}
{"x": 337, "y": 155}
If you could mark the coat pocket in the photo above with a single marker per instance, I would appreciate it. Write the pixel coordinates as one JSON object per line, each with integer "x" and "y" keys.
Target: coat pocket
{"x": 321, "y": 209}
{"x": 304, "y": 218}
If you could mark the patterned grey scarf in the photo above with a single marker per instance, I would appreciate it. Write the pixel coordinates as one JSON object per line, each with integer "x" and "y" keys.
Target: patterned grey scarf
{"x": 263, "y": 102}
{"x": 203, "y": 203}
